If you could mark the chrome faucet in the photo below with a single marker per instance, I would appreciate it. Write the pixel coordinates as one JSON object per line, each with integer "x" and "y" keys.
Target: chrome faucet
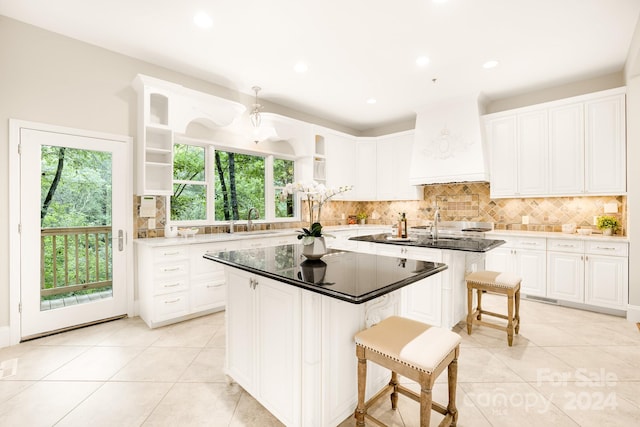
{"x": 436, "y": 220}
{"x": 249, "y": 220}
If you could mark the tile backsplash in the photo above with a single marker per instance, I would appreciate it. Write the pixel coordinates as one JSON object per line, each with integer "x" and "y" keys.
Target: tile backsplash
{"x": 457, "y": 202}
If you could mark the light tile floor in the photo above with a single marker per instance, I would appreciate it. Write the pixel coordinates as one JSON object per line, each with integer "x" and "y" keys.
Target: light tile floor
{"x": 567, "y": 368}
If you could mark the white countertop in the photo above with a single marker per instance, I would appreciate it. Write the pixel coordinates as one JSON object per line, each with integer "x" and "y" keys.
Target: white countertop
{"x": 554, "y": 235}
{"x": 226, "y": 237}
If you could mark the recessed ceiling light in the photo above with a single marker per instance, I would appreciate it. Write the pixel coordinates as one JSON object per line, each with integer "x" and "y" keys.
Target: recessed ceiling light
{"x": 490, "y": 64}
{"x": 422, "y": 61}
{"x": 371, "y": 101}
{"x": 300, "y": 67}
{"x": 202, "y": 20}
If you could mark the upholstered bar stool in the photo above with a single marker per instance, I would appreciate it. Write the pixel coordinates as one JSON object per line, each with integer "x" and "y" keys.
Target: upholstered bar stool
{"x": 415, "y": 350}
{"x": 500, "y": 283}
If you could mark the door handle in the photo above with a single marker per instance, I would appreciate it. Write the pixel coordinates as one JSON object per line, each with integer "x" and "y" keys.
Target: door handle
{"x": 121, "y": 240}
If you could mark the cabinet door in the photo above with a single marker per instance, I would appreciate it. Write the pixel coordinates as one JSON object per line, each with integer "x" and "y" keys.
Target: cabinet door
{"x": 500, "y": 259}
{"x": 566, "y": 150}
{"x": 531, "y": 266}
{"x": 503, "y": 164}
{"x": 385, "y": 168}
{"x": 606, "y": 281}
{"x": 366, "y": 163}
{"x": 605, "y": 149}
{"x": 422, "y": 301}
{"x": 241, "y": 329}
{"x": 532, "y": 153}
{"x": 278, "y": 336}
{"x": 565, "y": 276}
{"x": 341, "y": 163}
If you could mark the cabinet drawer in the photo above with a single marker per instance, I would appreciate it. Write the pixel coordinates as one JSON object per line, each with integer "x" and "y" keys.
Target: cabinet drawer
{"x": 200, "y": 265}
{"x": 561, "y": 245}
{"x": 539, "y": 243}
{"x": 208, "y": 294}
{"x": 170, "y": 253}
{"x": 171, "y": 270}
{"x": 608, "y": 248}
{"x": 170, "y": 306}
{"x": 169, "y": 285}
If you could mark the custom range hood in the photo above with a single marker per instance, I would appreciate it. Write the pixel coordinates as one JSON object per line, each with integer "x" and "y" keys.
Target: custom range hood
{"x": 448, "y": 145}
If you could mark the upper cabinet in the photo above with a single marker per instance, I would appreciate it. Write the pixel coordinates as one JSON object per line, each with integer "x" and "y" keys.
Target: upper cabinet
{"x": 165, "y": 108}
{"x": 393, "y": 167}
{"x": 605, "y": 145}
{"x": 518, "y": 154}
{"x": 366, "y": 164}
{"x": 570, "y": 147}
{"x": 340, "y": 162}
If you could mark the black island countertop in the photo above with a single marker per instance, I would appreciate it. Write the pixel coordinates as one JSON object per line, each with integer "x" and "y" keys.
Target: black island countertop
{"x": 349, "y": 276}
{"x": 468, "y": 244}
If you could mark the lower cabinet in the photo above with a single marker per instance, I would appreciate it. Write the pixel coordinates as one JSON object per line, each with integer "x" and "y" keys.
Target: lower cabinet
{"x": 593, "y": 273}
{"x": 264, "y": 342}
{"x": 524, "y": 257}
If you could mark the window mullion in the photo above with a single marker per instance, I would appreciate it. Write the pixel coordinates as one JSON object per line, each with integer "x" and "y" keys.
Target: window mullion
{"x": 269, "y": 193}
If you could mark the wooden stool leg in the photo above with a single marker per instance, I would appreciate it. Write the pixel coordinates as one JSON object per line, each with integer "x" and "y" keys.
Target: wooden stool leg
{"x": 452, "y": 374}
{"x": 362, "y": 383}
{"x": 469, "y": 309}
{"x": 510, "y": 304}
{"x": 479, "y": 317}
{"x": 425, "y": 405}
{"x": 517, "y": 311}
{"x": 394, "y": 393}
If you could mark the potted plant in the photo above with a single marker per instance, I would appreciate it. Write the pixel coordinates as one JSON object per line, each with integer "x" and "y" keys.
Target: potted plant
{"x": 362, "y": 218}
{"x": 608, "y": 224}
{"x": 316, "y": 196}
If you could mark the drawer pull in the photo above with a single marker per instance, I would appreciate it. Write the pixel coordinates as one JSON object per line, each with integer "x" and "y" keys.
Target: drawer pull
{"x": 172, "y": 301}
{"x": 171, "y": 253}
{"x": 172, "y": 285}
{"x": 215, "y": 286}
{"x": 171, "y": 269}
{"x": 530, "y": 243}
{"x": 604, "y": 248}
{"x": 566, "y": 246}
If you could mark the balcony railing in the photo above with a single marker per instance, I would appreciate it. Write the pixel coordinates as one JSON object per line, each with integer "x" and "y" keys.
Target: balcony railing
{"x": 74, "y": 259}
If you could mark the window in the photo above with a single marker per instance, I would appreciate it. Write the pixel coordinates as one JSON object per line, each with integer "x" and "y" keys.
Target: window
{"x": 218, "y": 185}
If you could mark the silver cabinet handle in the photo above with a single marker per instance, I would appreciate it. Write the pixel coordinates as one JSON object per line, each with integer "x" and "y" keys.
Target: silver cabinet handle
{"x": 215, "y": 286}
{"x": 172, "y": 301}
{"x": 530, "y": 243}
{"x": 564, "y": 245}
{"x": 171, "y": 269}
{"x": 172, "y": 285}
{"x": 605, "y": 248}
{"x": 171, "y": 253}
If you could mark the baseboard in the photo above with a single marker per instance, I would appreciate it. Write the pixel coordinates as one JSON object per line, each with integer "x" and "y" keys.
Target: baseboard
{"x": 5, "y": 336}
{"x": 633, "y": 313}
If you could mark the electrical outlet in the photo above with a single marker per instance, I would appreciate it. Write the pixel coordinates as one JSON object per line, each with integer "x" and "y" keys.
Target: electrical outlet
{"x": 525, "y": 219}
{"x": 595, "y": 220}
{"x": 151, "y": 223}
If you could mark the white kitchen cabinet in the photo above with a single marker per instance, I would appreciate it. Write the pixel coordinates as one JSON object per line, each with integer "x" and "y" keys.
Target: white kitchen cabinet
{"x": 176, "y": 283}
{"x": 341, "y": 163}
{"x": 593, "y": 273}
{"x": 566, "y": 149}
{"x": 518, "y": 147}
{"x": 574, "y": 146}
{"x": 605, "y": 145}
{"x": 421, "y": 301}
{"x": 366, "y": 162}
{"x": 565, "y": 270}
{"x": 524, "y": 257}
{"x": 607, "y": 274}
{"x": 264, "y": 342}
{"x": 393, "y": 167}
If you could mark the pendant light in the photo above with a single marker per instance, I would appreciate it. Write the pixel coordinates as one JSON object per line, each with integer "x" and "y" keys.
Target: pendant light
{"x": 255, "y": 112}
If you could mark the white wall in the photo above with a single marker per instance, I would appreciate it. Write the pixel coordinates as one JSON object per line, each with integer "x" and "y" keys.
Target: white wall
{"x": 632, "y": 76}
{"x": 49, "y": 78}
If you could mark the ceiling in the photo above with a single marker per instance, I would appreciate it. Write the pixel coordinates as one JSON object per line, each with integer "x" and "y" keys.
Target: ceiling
{"x": 356, "y": 50}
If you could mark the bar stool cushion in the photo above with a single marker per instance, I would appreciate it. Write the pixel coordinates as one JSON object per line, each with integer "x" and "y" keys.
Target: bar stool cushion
{"x": 493, "y": 278}
{"x": 415, "y": 344}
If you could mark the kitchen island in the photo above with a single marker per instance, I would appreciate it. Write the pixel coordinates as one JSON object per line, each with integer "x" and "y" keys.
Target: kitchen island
{"x": 291, "y": 321}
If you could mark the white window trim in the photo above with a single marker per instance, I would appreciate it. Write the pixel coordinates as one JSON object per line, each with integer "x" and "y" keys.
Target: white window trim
{"x": 210, "y": 179}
